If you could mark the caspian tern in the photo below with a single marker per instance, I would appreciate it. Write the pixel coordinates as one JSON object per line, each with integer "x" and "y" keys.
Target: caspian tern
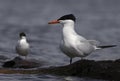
{"x": 22, "y": 47}
{"x": 74, "y": 45}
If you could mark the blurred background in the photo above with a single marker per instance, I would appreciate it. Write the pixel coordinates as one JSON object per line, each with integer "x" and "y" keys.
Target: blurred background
{"x": 96, "y": 19}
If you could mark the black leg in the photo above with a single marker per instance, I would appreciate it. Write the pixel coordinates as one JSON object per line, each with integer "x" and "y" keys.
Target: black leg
{"x": 25, "y": 57}
{"x": 70, "y": 60}
{"x": 82, "y": 58}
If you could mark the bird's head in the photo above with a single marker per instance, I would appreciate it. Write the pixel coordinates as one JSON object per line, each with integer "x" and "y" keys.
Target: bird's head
{"x": 70, "y": 18}
{"x": 22, "y": 34}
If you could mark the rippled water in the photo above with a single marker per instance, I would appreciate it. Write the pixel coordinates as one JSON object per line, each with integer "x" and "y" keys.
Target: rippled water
{"x": 96, "y": 19}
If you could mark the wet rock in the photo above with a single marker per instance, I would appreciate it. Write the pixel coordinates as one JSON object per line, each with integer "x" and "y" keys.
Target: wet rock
{"x": 108, "y": 70}
{"x": 18, "y": 62}
{"x": 9, "y": 64}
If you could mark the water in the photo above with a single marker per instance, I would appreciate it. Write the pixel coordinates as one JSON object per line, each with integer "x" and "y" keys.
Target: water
{"x": 96, "y": 19}
{"x": 21, "y": 77}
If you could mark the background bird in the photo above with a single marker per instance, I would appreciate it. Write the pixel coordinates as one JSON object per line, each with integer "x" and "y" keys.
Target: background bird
{"x": 74, "y": 45}
{"x": 22, "y": 47}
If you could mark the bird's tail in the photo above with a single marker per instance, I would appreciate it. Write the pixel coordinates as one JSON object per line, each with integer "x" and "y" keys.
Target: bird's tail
{"x": 106, "y": 46}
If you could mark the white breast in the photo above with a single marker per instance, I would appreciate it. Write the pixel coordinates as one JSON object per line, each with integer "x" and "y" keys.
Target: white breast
{"x": 22, "y": 47}
{"x": 74, "y": 45}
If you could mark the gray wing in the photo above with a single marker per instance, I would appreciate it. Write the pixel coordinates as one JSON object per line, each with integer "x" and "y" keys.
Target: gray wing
{"x": 94, "y": 42}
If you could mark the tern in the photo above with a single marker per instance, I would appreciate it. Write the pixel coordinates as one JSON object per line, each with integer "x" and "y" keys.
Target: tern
{"x": 73, "y": 44}
{"x": 22, "y": 47}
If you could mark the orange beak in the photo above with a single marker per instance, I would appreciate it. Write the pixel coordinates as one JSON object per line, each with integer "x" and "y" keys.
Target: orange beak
{"x": 54, "y": 22}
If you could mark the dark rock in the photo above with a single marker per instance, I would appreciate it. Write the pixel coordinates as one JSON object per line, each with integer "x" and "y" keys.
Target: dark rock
{"x": 109, "y": 70}
{"x": 97, "y": 69}
{"x": 9, "y": 64}
{"x": 18, "y": 62}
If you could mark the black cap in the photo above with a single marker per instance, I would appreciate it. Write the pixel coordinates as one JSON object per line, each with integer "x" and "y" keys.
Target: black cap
{"x": 69, "y": 16}
{"x": 22, "y": 34}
